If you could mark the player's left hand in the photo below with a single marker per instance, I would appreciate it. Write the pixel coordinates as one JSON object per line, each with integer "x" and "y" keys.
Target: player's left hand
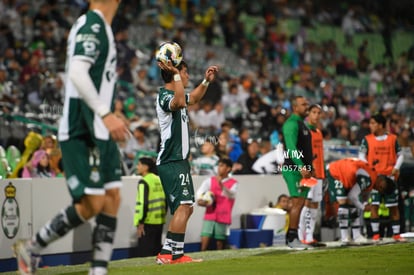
{"x": 140, "y": 230}
{"x": 211, "y": 73}
{"x": 395, "y": 173}
{"x": 168, "y": 67}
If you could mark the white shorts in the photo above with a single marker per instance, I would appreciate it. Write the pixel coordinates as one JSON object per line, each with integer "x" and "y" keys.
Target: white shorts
{"x": 315, "y": 192}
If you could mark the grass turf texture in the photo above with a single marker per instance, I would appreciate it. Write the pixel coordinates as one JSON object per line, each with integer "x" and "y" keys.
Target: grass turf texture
{"x": 381, "y": 259}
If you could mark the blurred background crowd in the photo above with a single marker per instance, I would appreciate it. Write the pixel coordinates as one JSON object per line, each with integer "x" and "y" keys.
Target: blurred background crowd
{"x": 354, "y": 59}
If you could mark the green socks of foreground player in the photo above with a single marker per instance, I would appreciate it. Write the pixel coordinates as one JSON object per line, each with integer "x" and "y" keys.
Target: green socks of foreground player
{"x": 67, "y": 219}
{"x": 56, "y": 228}
{"x": 103, "y": 239}
{"x": 174, "y": 245}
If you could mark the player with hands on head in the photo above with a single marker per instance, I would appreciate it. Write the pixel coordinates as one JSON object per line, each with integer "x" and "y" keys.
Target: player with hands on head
{"x": 173, "y": 158}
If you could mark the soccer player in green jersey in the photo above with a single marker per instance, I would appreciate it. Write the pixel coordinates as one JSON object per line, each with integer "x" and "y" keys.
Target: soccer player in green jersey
{"x": 88, "y": 132}
{"x": 298, "y": 165}
{"x": 172, "y": 162}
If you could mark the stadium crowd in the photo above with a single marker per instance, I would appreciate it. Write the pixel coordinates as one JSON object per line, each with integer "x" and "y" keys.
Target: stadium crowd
{"x": 250, "y": 105}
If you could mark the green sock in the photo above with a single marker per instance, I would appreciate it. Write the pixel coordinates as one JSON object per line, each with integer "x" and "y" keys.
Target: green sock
{"x": 57, "y": 227}
{"x": 102, "y": 241}
{"x": 174, "y": 245}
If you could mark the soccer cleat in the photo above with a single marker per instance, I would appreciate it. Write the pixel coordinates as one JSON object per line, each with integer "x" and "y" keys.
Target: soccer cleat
{"x": 27, "y": 262}
{"x": 314, "y": 243}
{"x": 298, "y": 245}
{"x": 185, "y": 259}
{"x": 376, "y": 238}
{"x": 163, "y": 259}
{"x": 361, "y": 240}
{"x": 399, "y": 239}
{"x": 167, "y": 259}
{"x": 98, "y": 271}
{"x": 345, "y": 241}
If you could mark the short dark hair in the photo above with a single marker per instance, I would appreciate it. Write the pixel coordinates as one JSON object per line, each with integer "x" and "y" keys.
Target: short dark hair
{"x": 315, "y": 106}
{"x": 380, "y": 119}
{"x": 226, "y": 161}
{"x": 152, "y": 168}
{"x": 390, "y": 185}
{"x": 168, "y": 76}
{"x": 293, "y": 101}
{"x": 281, "y": 197}
{"x": 141, "y": 129}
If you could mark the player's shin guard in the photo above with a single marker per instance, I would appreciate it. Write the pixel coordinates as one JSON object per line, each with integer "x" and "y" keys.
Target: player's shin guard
{"x": 102, "y": 241}
{"x": 343, "y": 220}
{"x": 375, "y": 227}
{"x": 310, "y": 228}
{"x": 57, "y": 227}
{"x": 395, "y": 227}
{"x": 304, "y": 219}
{"x": 355, "y": 225}
{"x": 177, "y": 245}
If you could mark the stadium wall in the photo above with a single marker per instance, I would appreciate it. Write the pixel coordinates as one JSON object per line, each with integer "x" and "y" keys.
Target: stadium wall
{"x": 29, "y": 203}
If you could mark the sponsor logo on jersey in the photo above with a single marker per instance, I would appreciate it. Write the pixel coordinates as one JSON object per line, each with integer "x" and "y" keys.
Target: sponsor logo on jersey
{"x": 96, "y": 28}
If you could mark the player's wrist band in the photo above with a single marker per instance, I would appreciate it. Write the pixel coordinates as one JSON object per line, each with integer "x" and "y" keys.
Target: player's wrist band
{"x": 177, "y": 77}
{"x": 205, "y": 83}
{"x": 104, "y": 115}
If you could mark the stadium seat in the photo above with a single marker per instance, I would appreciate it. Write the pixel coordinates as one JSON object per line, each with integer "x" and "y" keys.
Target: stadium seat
{"x": 4, "y": 165}
{"x": 13, "y": 156}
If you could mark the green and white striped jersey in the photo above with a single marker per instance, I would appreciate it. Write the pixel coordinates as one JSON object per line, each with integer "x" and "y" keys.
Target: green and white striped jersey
{"x": 90, "y": 39}
{"x": 174, "y": 128}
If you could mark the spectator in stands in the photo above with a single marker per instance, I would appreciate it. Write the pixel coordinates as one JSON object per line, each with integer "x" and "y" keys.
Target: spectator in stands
{"x": 32, "y": 143}
{"x": 39, "y": 166}
{"x": 284, "y": 203}
{"x": 124, "y": 51}
{"x": 206, "y": 164}
{"x": 348, "y": 27}
{"x": 405, "y": 140}
{"x": 119, "y": 111}
{"x": 12, "y": 64}
{"x": 49, "y": 142}
{"x": 140, "y": 80}
{"x": 6, "y": 88}
{"x": 217, "y": 116}
{"x": 363, "y": 60}
{"x": 130, "y": 108}
{"x": 245, "y": 162}
{"x": 257, "y": 114}
{"x": 234, "y": 106}
{"x": 138, "y": 144}
{"x": 204, "y": 118}
{"x": 32, "y": 69}
{"x": 52, "y": 92}
{"x": 264, "y": 146}
{"x": 55, "y": 161}
{"x": 223, "y": 145}
{"x": 363, "y": 130}
{"x": 375, "y": 80}
{"x": 239, "y": 144}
